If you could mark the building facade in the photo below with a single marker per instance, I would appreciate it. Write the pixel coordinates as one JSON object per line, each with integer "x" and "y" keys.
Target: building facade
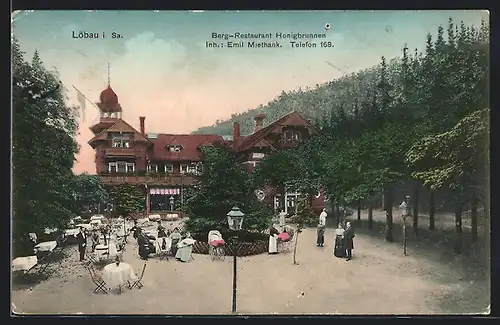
{"x": 166, "y": 165}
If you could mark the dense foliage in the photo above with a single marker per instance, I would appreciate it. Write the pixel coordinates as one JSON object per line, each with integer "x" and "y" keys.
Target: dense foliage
{"x": 126, "y": 198}
{"x": 423, "y": 118}
{"x": 43, "y": 147}
{"x": 88, "y": 191}
{"x": 223, "y": 184}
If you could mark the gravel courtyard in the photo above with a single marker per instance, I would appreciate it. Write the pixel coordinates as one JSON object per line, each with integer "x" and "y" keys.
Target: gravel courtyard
{"x": 379, "y": 280}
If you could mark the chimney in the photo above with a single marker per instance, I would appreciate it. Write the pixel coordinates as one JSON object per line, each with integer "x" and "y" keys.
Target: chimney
{"x": 141, "y": 120}
{"x": 259, "y": 120}
{"x": 236, "y": 130}
{"x": 236, "y": 134}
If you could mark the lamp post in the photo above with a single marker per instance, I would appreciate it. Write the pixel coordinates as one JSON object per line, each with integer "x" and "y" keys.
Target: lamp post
{"x": 171, "y": 199}
{"x": 405, "y": 209}
{"x": 235, "y": 221}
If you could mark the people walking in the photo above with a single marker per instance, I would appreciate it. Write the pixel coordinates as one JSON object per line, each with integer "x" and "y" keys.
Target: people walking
{"x": 349, "y": 240}
{"x": 162, "y": 235}
{"x": 339, "y": 247}
{"x": 320, "y": 240}
{"x": 94, "y": 239}
{"x": 81, "y": 238}
{"x": 273, "y": 240}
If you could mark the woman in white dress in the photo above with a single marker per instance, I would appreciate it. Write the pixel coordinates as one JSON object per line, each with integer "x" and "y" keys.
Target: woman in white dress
{"x": 185, "y": 249}
{"x": 273, "y": 240}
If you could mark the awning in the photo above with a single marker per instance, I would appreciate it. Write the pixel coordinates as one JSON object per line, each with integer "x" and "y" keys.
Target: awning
{"x": 165, "y": 191}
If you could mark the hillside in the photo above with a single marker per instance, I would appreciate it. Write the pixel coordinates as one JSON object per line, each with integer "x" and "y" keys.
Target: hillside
{"x": 314, "y": 103}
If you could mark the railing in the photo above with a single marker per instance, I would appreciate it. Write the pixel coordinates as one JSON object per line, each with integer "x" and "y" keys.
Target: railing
{"x": 153, "y": 179}
{"x": 119, "y": 152}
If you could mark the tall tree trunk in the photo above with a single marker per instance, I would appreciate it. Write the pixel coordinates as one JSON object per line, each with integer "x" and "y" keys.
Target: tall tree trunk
{"x": 281, "y": 192}
{"x": 370, "y": 213}
{"x": 388, "y": 214}
{"x": 458, "y": 227}
{"x": 382, "y": 207}
{"x": 337, "y": 211}
{"x": 486, "y": 221}
{"x": 473, "y": 217}
{"x": 404, "y": 236}
{"x": 416, "y": 197}
{"x": 359, "y": 210}
{"x": 432, "y": 211}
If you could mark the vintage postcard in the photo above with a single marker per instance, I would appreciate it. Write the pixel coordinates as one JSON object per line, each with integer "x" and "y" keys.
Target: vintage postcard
{"x": 243, "y": 162}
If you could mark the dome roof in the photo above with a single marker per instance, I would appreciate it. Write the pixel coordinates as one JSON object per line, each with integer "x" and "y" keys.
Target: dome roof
{"x": 108, "y": 97}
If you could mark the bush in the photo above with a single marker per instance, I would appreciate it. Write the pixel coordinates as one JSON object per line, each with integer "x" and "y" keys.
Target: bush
{"x": 305, "y": 215}
{"x": 223, "y": 184}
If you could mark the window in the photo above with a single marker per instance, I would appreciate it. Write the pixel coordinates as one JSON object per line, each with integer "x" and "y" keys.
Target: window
{"x": 112, "y": 167}
{"x": 199, "y": 168}
{"x": 169, "y": 169}
{"x": 291, "y": 201}
{"x": 152, "y": 168}
{"x": 195, "y": 169}
{"x": 291, "y": 135}
{"x": 174, "y": 148}
{"x": 121, "y": 167}
{"x": 257, "y": 155}
{"x": 130, "y": 167}
{"x": 120, "y": 140}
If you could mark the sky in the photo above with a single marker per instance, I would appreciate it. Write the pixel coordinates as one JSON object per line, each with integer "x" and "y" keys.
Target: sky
{"x": 161, "y": 68}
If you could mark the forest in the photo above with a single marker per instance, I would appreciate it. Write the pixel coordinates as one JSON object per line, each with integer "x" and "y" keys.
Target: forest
{"x": 421, "y": 119}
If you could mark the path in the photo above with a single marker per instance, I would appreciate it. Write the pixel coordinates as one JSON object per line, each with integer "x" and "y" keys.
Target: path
{"x": 377, "y": 281}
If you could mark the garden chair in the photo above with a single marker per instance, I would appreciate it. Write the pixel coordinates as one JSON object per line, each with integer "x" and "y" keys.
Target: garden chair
{"x": 97, "y": 279}
{"x": 163, "y": 254}
{"x": 92, "y": 258}
{"x": 138, "y": 282}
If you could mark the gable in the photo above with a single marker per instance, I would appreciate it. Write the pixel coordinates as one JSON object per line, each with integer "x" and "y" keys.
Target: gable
{"x": 292, "y": 118}
{"x": 262, "y": 143}
{"x": 120, "y": 126}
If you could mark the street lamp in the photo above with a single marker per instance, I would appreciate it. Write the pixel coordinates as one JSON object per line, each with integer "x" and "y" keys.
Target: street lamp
{"x": 405, "y": 209}
{"x": 235, "y": 221}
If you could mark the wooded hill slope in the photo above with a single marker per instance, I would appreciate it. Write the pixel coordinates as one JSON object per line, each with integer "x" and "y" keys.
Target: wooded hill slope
{"x": 348, "y": 92}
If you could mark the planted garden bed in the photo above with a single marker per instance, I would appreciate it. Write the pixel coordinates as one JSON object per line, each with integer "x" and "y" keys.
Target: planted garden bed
{"x": 247, "y": 244}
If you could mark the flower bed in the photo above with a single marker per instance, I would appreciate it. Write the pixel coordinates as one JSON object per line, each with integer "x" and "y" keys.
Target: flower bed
{"x": 248, "y": 244}
{"x": 242, "y": 249}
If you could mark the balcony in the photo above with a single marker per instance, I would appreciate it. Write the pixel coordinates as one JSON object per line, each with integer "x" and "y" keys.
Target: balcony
{"x": 150, "y": 179}
{"x": 119, "y": 152}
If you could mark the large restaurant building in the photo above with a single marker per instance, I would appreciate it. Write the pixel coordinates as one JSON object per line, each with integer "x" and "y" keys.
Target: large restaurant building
{"x": 166, "y": 165}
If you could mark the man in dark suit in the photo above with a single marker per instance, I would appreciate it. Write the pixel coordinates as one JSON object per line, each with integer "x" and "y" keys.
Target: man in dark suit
{"x": 349, "y": 240}
{"x": 81, "y": 239}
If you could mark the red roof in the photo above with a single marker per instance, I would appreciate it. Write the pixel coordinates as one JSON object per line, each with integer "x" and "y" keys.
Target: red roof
{"x": 293, "y": 117}
{"x": 190, "y": 146}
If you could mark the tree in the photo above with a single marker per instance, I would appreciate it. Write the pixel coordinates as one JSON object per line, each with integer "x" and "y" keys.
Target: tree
{"x": 126, "y": 198}
{"x": 88, "y": 190}
{"x": 460, "y": 162}
{"x": 279, "y": 170}
{"x": 43, "y": 147}
{"x": 369, "y": 120}
{"x": 224, "y": 183}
